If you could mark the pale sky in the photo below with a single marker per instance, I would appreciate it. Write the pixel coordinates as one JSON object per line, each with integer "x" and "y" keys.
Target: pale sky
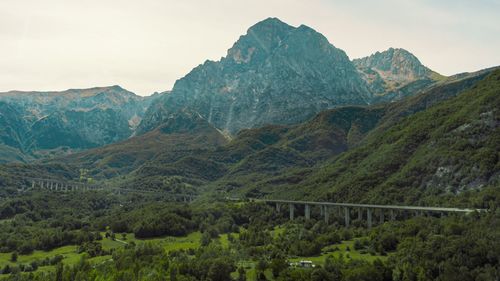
{"x": 144, "y": 46}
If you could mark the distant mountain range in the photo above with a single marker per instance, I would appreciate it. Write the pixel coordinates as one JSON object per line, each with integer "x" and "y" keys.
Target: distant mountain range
{"x": 279, "y": 74}
{"x": 284, "y": 112}
{"x": 274, "y": 74}
{"x": 41, "y": 124}
{"x": 441, "y": 141}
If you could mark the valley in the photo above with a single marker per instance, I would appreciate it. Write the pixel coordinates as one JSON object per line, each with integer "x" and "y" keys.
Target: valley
{"x": 283, "y": 160}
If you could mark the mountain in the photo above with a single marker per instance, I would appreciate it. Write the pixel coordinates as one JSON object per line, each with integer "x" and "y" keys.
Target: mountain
{"x": 186, "y": 151}
{"x": 184, "y": 135}
{"x": 254, "y": 156}
{"x": 394, "y": 74}
{"x": 39, "y": 124}
{"x": 425, "y": 150}
{"x": 274, "y": 74}
{"x": 316, "y": 159}
{"x": 284, "y": 112}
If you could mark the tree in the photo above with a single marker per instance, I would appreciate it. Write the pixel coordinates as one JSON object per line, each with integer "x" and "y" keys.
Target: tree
{"x": 242, "y": 275}
{"x": 261, "y": 265}
{"x": 206, "y": 238}
{"x": 13, "y": 256}
{"x": 173, "y": 273}
{"x": 278, "y": 265}
{"x": 358, "y": 245}
{"x": 59, "y": 271}
{"x": 321, "y": 274}
{"x": 220, "y": 270}
{"x": 6, "y": 269}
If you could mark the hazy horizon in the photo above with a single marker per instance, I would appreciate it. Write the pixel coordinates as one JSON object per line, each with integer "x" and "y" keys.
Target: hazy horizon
{"x": 144, "y": 48}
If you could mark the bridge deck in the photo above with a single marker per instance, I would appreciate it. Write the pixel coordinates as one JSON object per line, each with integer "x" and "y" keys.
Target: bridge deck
{"x": 369, "y": 206}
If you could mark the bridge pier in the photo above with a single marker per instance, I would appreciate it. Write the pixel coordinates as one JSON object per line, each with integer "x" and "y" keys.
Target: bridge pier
{"x": 369, "y": 217}
{"x": 292, "y": 210}
{"x": 307, "y": 211}
{"x": 393, "y": 215}
{"x": 360, "y": 214}
{"x": 346, "y": 216}
{"x": 381, "y": 216}
{"x": 278, "y": 207}
{"x": 325, "y": 213}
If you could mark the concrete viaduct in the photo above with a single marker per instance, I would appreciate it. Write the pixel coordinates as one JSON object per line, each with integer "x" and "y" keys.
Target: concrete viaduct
{"x": 68, "y": 186}
{"x": 346, "y": 210}
{"x": 57, "y": 185}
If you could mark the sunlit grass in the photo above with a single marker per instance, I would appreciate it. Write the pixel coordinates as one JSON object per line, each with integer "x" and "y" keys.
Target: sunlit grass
{"x": 345, "y": 248}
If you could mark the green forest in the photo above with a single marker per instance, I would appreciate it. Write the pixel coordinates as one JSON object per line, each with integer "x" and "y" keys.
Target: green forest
{"x": 111, "y": 237}
{"x": 284, "y": 160}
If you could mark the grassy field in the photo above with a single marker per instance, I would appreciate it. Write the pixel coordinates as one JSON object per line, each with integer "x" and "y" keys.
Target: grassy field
{"x": 69, "y": 253}
{"x": 169, "y": 243}
{"x": 71, "y": 256}
{"x": 346, "y": 248}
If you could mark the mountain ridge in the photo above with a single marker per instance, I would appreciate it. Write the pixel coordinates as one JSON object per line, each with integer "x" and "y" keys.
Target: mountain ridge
{"x": 263, "y": 161}
{"x": 395, "y": 73}
{"x": 42, "y": 124}
{"x": 275, "y": 73}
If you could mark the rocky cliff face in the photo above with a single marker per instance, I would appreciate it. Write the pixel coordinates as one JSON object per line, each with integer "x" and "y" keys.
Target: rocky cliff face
{"x": 32, "y": 122}
{"x": 275, "y": 73}
{"x": 394, "y": 74}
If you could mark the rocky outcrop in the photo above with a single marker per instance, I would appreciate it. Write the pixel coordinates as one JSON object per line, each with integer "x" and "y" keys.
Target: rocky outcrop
{"x": 394, "y": 74}
{"x": 275, "y": 74}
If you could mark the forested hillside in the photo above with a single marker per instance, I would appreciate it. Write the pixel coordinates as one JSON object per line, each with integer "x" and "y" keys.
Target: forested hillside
{"x": 309, "y": 159}
{"x": 448, "y": 149}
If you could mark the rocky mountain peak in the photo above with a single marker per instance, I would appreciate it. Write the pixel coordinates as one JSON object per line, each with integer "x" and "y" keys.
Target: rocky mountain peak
{"x": 274, "y": 74}
{"x": 259, "y": 41}
{"x": 395, "y": 62}
{"x": 394, "y": 73}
